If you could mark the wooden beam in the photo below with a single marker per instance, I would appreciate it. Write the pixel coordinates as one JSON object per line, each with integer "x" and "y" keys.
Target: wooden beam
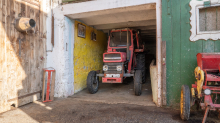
{"x": 20, "y": 97}
{"x": 30, "y": 2}
{"x": 64, "y": 1}
{"x": 129, "y": 24}
{"x": 43, "y": 88}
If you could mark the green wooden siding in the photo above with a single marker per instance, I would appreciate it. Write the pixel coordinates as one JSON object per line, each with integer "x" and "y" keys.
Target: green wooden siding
{"x": 181, "y": 52}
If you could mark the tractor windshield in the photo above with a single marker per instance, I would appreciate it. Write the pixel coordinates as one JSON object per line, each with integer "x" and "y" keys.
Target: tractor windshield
{"x": 119, "y": 39}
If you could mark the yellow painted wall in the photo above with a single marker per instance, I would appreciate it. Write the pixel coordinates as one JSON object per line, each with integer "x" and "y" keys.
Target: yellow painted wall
{"x": 87, "y": 55}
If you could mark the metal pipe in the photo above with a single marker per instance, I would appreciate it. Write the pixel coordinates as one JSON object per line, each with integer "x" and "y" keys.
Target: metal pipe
{"x": 158, "y": 50}
{"x": 24, "y": 24}
{"x": 128, "y": 54}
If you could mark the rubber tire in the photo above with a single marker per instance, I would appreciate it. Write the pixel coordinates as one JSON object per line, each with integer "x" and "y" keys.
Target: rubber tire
{"x": 185, "y": 102}
{"x": 141, "y": 65}
{"x": 138, "y": 82}
{"x": 90, "y": 80}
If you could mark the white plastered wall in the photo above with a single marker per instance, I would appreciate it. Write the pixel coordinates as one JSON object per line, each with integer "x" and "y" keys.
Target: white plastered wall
{"x": 60, "y": 57}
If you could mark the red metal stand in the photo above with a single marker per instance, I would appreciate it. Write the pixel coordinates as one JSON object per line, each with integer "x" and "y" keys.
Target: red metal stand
{"x": 49, "y": 94}
{"x": 206, "y": 113}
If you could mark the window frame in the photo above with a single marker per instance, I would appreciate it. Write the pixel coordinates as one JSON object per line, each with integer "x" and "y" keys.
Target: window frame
{"x": 196, "y": 34}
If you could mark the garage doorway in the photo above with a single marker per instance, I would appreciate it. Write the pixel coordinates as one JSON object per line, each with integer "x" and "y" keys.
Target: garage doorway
{"x": 138, "y": 17}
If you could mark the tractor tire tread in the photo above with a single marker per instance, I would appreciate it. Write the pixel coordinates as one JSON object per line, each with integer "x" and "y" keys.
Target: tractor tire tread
{"x": 141, "y": 66}
{"x": 138, "y": 82}
{"x": 90, "y": 79}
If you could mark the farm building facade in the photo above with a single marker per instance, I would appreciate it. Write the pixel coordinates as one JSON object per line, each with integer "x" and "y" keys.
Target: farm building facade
{"x": 72, "y": 40}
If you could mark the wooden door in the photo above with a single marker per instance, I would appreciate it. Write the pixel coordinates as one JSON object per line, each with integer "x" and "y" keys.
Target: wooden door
{"x": 22, "y": 55}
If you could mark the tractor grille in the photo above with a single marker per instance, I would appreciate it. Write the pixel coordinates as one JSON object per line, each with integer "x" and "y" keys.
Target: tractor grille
{"x": 112, "y": 57}
{"x": 112, "y": 68}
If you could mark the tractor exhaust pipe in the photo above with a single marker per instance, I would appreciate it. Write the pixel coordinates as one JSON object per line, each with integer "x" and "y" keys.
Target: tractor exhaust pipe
{"x": 128, "y": 54}
{"x": 24, "y": 24}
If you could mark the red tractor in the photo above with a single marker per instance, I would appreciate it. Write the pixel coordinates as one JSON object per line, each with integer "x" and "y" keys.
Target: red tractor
{"x": 124, "y": 58}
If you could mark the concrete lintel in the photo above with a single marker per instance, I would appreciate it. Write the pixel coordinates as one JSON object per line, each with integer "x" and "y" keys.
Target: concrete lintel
{"x": 98, "y": 5}
{"x": 119, "y": 17}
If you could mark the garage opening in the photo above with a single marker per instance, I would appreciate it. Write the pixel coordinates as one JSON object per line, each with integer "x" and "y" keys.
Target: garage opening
{"x": 97, "y": 26}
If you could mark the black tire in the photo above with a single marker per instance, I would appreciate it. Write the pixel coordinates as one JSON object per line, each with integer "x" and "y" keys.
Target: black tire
{"x": 185, "y": 102}
{"x": 92, "y": 82}
{"x": 138, "y": 82}
{"x": 141, "y": 66}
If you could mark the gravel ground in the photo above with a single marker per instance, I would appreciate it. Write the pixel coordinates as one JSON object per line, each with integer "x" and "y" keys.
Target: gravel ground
{"x": 114, "y": 103}
{"x": 70, "y": 110}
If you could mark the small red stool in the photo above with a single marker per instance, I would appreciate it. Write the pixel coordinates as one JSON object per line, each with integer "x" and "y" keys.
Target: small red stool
{"x": 50, "y": 90}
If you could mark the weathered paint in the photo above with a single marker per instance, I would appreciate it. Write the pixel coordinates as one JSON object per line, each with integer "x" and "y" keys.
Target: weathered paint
{"x": 181, "y": 52}
{"x": 211, "y": 15}
{"x": 20, "y": 73}
{"x": 87, "y": 55}
{"x": 60, "y": 57}
{"x": 98, "y": 5}
{"x": 158, "y": 51}
{"x": 154, "y": 82}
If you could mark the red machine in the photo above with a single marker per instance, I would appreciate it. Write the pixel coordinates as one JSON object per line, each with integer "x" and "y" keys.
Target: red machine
{"x": 124, "y": 58}
{"x": 207, "y": 87}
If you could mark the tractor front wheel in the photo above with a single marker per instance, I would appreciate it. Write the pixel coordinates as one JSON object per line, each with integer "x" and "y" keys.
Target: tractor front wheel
{"x": 137, "y": 82}
{"x": 185, "y": 102}
{"x": 92, "y": 82}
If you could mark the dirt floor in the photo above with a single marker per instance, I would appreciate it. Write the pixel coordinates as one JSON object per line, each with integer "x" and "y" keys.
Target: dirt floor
{"x": 113, "y": 103}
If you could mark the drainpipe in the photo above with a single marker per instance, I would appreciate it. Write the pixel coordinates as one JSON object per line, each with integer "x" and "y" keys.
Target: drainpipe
{"x": 158, "y": 54}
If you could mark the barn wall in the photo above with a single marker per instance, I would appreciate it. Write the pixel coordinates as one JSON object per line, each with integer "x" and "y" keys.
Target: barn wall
{"x": 60, "y": 56}
{"x": 20, "y": 74}
{"x": 87, "y": 55}
{"x": 181, "y": 52}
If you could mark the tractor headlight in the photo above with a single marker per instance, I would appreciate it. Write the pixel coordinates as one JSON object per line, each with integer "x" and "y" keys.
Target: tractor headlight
{"x": 105, "y": 67}
{"x": 207, "y": 91}
{"x": 119, "y": 68}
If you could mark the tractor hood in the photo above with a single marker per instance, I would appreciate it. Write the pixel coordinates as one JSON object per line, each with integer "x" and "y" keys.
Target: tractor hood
{"x": 114, "y": 57}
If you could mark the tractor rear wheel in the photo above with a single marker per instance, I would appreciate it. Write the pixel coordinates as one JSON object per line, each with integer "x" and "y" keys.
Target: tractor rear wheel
{"x": 141, "y": 66}
{"x": 137, "y": 82}
{"x": 92, "y": 82}
{"x": 185, "y": 102}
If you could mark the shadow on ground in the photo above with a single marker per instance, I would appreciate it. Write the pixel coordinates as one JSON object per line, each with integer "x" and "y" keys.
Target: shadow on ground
{"x": 112, "y": 103}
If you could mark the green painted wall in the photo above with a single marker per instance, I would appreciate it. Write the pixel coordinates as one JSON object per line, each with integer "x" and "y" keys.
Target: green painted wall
{"x": 181, "y": 52}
